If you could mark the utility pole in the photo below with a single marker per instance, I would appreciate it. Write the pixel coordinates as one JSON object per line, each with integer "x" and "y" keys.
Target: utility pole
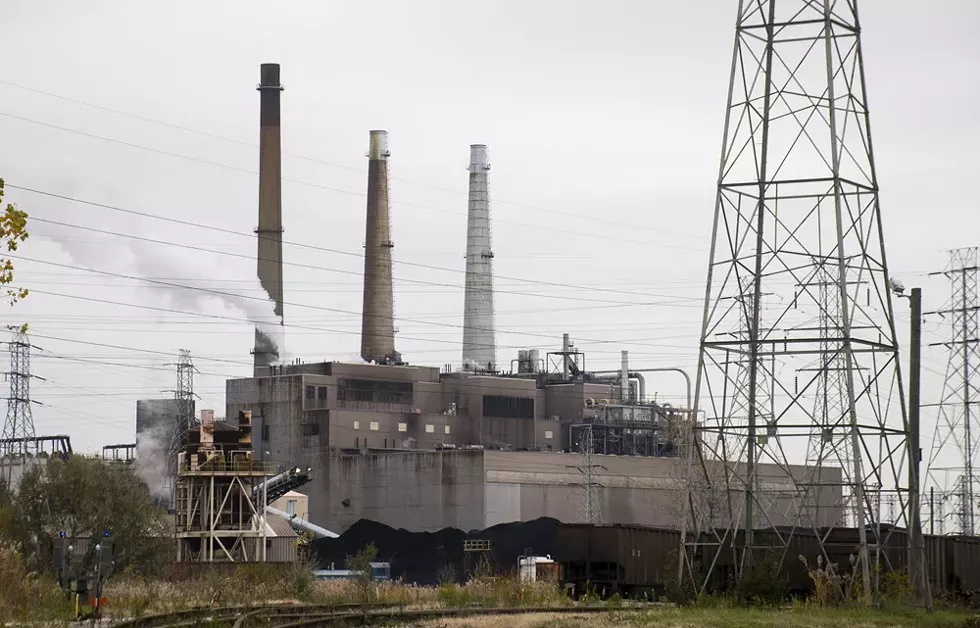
{"x": 916, "y": 546}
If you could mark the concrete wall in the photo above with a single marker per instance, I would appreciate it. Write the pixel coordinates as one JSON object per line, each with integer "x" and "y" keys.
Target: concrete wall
{"x": 414, "y": 490}
{"x": 631, "y": 490}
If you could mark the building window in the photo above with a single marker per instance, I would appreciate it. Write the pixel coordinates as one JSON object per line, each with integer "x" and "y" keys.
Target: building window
{"x": 500, "y": 406}
{"x": 357, "y": 425}
{"x": 310, "y": 392}
{"x": 447, "y": 429}
{"x": 374, "y": 391}
{"x": 403, "y": 427}
{"x": 311, "y": 429}
{"x": 321, "y": 394}
{"x": 430, "y": 428}
{"x": 291, "y": 507}
{"x": 374, "y": 426}
{"x": 265, "y": 432}
{"x": 548, "y": 434}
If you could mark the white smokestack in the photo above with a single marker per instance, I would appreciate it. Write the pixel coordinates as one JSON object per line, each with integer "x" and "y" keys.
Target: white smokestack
{"x": 479, "y": 343}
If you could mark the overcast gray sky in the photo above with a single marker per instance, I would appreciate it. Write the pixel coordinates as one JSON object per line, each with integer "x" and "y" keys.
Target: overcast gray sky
{"x": 604, "y": 124}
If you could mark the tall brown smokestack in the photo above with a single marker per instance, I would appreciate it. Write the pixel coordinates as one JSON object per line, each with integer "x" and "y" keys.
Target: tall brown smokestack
{"x": 377, "y": 317}
{"x": 269, "y": 231}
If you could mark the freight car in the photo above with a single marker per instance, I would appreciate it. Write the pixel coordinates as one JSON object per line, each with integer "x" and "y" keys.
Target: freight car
{"x": 953, "y": 564}
{"x": 635, "y": 560}
{"x": 616, "y": 559}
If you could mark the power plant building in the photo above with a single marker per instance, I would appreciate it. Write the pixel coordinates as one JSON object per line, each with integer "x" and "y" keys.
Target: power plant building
{"x": 419, "y": 448}
{"x": 415, "y": 448}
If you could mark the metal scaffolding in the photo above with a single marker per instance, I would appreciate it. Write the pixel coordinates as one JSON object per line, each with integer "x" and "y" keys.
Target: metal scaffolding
{"x": 955, "y": 454}
{"x": 797, "y": 196}
{"x": 221, "y": 493}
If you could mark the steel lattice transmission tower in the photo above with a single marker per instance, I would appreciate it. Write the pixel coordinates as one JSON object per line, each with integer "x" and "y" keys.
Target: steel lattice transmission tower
{"x": 19, "y": 425}
{"x": 797, "y": 193}
{"x": 955, "y": 455}
{"x": 590, "y": 509}
{"x": 184, "y": 397}
{"x": 829, "y": 444}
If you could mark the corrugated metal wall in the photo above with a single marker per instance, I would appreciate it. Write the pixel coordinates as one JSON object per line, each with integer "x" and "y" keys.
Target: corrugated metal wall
{"x": 281, "y": 549}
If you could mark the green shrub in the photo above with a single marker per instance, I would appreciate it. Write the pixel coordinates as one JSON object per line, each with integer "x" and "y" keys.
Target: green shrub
{"x": 764, "y": 584}
{"x": 682, "y": 593}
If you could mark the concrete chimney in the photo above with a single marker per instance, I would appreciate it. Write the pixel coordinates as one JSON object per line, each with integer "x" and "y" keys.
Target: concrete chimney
{"x": 269, "y": 231}
{"x": 479, "y": 343}
{"x": 378, "y": 314}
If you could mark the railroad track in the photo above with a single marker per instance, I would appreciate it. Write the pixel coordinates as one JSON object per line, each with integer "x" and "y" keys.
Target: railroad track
{"x": 296, "y": 616}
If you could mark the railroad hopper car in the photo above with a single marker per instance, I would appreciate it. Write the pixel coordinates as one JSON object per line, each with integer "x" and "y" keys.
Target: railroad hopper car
{"x": 636, "y": 560}
{"x": 953, "y": 564}
{"x": 616, "y": 559}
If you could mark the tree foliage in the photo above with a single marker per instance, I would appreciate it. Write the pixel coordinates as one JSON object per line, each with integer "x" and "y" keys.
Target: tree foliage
{"x": 85, "y": 498}
{"x": 13, "y": 231}
{"x": 360, "y": 563}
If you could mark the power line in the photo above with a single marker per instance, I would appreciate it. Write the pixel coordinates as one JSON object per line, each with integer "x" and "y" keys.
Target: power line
{"x": 215, "y": 136}
{"x": 591, "y": 236}
{"x": 312, "y": 247}
{"x": 314, "y": 307}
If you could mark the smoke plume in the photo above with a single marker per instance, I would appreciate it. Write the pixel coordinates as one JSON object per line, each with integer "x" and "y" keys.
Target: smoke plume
{"x": 152, "y": 452}
{"x": 187, "y": 287}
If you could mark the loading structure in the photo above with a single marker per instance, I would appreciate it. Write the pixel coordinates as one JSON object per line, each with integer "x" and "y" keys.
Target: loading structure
{"x": 220, "y": 495}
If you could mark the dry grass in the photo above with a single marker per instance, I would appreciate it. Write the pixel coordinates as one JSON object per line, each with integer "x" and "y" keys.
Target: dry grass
{"x": 501, "y": 592}
{"x": 135, "y": 597}
{"x": 716, "y": 618}
{"x": 25, "y": 595}
{"x": 532, "y": 620}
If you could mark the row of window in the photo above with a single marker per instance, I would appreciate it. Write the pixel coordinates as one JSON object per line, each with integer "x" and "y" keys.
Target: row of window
{"x": 402, "y": 427}
{"x": 373, "y": 391}
{"x": 313, "y": 429}
{"x": 503, "y": 407}
{"x": 316, "y": 392}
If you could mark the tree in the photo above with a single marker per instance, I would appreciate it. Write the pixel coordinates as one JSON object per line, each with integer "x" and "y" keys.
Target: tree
{"x": 360, "y": 564}
{"x": 13, "y": 231}
{"x": 85, "y": 498}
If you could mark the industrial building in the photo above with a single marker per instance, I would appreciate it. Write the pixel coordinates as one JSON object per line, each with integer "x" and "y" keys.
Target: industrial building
{"x": 424, "y": 448}
{"x": 415, "y": 448}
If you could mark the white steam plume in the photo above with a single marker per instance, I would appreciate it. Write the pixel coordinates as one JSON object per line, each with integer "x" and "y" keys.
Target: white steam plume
{"x": 186, "y": 286}
{"x": 152, "y": 451}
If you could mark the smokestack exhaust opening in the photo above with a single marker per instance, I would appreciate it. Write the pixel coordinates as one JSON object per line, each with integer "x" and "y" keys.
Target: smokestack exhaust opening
{"x": 378, "y": 312}
{"x": 479, "y": 340}
{"x": 269, "y": 230}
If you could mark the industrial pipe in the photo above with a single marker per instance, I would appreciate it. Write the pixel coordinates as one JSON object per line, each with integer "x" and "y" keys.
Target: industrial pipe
{"x": 624, "y": 379}
{"x": 636, "y": 373}
{"x": 301, "y": 525}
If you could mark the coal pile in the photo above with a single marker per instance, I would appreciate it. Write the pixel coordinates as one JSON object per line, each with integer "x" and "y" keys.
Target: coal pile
{"x": 421, "y": 557}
